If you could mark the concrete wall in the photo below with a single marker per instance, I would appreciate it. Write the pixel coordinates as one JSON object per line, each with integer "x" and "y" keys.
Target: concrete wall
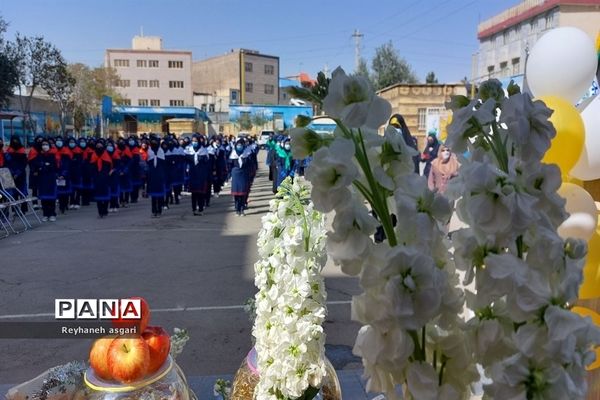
{"x": 259, "y": 79}
{"x": 585, "y": 18}
{"x": 217, "y": 75}
{"x": 163, "y": 74}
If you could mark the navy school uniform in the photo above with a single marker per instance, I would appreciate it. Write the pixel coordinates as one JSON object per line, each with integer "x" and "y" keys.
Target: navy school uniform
{"x": 88, "y": 175}
{"x": 45, "y": 168}
{"x": 220, "y": 168}
{"x": 125, "y": 163}
{"x": 76, "y": 167}
{"x": 115, "y": 179}
{"x": 156, "y": 179}
{"x": 101, "y": 165}
{"x": 199, "y": 176}
{"x": 240, "y": 167}
{"x": 285, "y": 167}
{"x": 15, "y": 160}
{"x": 64, "y": 187}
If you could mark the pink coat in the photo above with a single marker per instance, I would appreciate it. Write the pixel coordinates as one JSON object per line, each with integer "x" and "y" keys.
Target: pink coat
{"x": 441, "y": 173}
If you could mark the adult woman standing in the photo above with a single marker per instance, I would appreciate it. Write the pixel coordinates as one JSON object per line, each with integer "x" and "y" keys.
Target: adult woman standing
{"x": 443, "y": 168}
{"x": 430, "y": 153}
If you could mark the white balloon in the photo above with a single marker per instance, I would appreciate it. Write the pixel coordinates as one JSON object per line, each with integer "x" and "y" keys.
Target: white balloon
{"x": 578, "y": 225}
{"x": 588, "y": 165}
{"x": 584, "y": 215}
{"x": 562, "y": 63}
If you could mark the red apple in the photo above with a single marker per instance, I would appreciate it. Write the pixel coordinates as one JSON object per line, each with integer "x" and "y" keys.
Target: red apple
{"x": 99, "y": 357}
{"x": 128, "y": 359}
{"x": 141, "y": 324}
{"x": 159, "y": 343}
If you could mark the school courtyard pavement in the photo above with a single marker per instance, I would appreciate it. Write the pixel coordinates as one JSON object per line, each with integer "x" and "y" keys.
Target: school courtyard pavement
{"x": 196, "y": 272}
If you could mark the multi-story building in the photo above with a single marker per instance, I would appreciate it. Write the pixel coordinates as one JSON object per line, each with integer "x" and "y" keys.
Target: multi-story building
{"x": 238, "y": 77}
{"x": 151, "y": 76}
{"x": 506, "y": 39}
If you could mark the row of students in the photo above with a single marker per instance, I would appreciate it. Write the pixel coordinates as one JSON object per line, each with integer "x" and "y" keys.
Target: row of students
{"x": 75, "y": 171}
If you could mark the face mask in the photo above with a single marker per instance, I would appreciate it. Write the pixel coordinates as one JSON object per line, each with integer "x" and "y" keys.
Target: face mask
{"x": 287, "y": 147}
{"x": 110, "y": 149}
{"x": 445, "y": 155}
{"x": 72, "y": 145}
{"x": 82, "y": 145}
{"x": 131, "y": 143}
{"x": 59, "y": 144}
{"x": 195, "y": 145}
{"x": 239, "y": 149}
{"x": 45, "y": 147}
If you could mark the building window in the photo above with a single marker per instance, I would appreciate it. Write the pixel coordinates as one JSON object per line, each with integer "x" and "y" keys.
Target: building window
{"x": 143, "y": 102}
{"x": 533, "y": 25}
{"x": 504, "y": 68}
{"x": 505, "y": 37}
{"x": 203, "y": 107}
{"x": 154, "y": 83}
{"x": 422, "y": 114}
{"x": 142, "y": 83}
{"x": 123, "y": 83}
{"x": 233, "y": 97}
{"x": 269, "y": 69}
{"x": 550, "y": 20}
{"x": 269, "y": 89}
{"x": 248, "y": 66}
{"x": 125, "y": 102}
{"x": 121, "y": 63}
{"x": 249, "y": 87}
{"x": 176, "y": 84}
{"x": 176, "y": 103}
{"x": 142, "y": 63}
{"x": 490, "y": 70}
{"x": 175, "y": 64}
{"x": 153, "y": 63}
{"x": 211, "y": 108}
{"x": 516, "y": 66}
{"x": 155, "y": 103}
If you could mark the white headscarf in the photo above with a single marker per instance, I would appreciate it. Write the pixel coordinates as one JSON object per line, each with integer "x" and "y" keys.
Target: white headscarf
{"x": 159, "y": 154}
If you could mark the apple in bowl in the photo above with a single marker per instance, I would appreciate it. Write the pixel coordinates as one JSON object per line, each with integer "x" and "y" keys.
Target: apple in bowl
{"x": 159, "y": 344}
{"x": 128, "y": 359}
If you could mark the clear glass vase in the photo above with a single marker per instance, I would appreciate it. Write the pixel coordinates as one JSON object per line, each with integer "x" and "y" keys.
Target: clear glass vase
{"x": 168, "y": 383}
{"x": 246, "y": 379}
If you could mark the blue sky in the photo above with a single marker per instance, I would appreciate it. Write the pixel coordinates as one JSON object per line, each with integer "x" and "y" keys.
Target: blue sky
{"x": 307, "y": 35}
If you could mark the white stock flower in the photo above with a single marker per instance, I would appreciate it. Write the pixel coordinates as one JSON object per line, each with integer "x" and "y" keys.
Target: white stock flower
{"x": 331, "y": 172}
{"x": 528, "y": 126}
{"x": 352, "y": 99}
{"x": 304, "y": 142}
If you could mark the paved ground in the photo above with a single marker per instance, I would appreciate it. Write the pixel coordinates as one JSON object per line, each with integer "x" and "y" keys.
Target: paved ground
{"x": 195, "y": 272}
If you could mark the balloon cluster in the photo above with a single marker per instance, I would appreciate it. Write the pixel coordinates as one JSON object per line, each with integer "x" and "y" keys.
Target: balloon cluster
{"x": 560, "y": 69}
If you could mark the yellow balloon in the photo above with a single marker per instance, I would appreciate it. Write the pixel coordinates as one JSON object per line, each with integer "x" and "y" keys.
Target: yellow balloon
{"x": 570, "y": 179}
{"x": 567, "y": 145}
{"x": 586, "y": 312}
{"x": 590, "y": 288}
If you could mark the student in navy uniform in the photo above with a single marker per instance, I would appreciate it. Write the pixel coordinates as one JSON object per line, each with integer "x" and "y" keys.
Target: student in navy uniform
{"x": 88, "y": 171}
{"x": 198, "y": 163}
{"x": 64, "y": 187}
{"x": 15, "y": 160}
{"x": 174, "y": 158}
{"x": 101, "y": 166}
{"x": 34, "y": 180}
{"x": 45, "y": 169}
{"x": 125, "y": 163}
{"x": 156, "y": 178}
{"x": 75, "y": 173}
{"x": 220, "y": 166}
{"x": 114, "y": 177}
{"x": 164, "y": 145}
{"x": 240, "y": 164}
{"x": 135, "y": 169}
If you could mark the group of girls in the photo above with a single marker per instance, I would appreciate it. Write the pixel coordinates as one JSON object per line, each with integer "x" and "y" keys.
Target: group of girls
{"x": 74, "y": 172}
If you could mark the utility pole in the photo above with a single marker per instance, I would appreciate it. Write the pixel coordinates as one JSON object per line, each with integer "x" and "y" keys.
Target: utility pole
{"x": 357, "y": 37}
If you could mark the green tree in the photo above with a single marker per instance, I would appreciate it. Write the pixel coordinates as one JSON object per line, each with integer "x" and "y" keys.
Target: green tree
{"x": 431, "y": 78}
{"x": 259, "y": 119}
{"x": 363, "y": 69}
{"x": 8, "y": 69}
{"x": 389, "y": 68}
{"x": 59, "y": 84}
{"x": 314, "y": 94}
{"x": 34, "y": 58}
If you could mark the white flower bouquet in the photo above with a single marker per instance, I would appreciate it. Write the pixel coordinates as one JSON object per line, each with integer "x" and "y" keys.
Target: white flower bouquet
{"x": 517, "y": 333}
{"x": 291, "y": 298}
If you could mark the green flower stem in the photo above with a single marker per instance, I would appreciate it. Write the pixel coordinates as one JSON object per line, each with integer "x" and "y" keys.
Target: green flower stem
{"x": 423, "y": 344}
{"x": 418, "y": 351}
{"x": 441, "y": 374}
{"x": 501, "y": 152}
